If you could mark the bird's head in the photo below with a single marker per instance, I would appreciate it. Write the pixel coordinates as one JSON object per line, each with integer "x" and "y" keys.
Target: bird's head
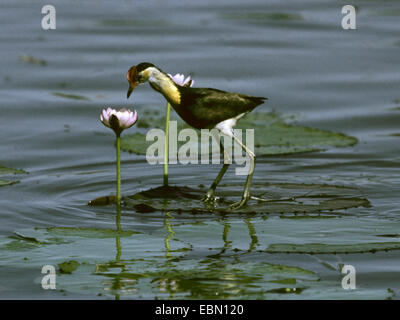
{"x": 137, "y": 75}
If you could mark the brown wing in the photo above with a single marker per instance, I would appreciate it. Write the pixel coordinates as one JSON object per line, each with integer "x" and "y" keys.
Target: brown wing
{"x": 210, "y": 106}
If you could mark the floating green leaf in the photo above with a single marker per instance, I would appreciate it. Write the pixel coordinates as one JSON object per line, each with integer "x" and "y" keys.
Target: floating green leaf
{"x": 68, "y": 267}
{"x": 306, "y": 216}
{"x": 32, "y": 59}
{"x": 281, "y": 269}
{"x": 7, "y": 182}
{"x": 37, "y": 237}
{"x": 272, "y": 135}
{"x": 320, "y": 248}
{"x": 27, "y": 238}
{"x": 390, "y": 235}
{"x": 385, "y": 12}
{"x": 313, "y": 199}
{"x": 260, "y": 16}
{"x": 285, "y": 281}
{"x": 137, "y": 23}
{"x": 89, "y": 232}
{"x": 19, "y": 245}
{"x": 5, "y": 170}
{"x": 135, "y": 143}
{"x": 70, "y": 96}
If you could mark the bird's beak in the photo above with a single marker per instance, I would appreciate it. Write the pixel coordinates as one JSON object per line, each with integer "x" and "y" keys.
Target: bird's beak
{"x": 132, "y": 85}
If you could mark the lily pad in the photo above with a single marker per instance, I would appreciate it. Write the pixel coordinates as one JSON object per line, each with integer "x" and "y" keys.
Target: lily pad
{"x": 102, "y": 201}
{"x": 36, "y": 237}
{"x": 68, "y": 267}
{"x": 320, "y": 248}
{"x": 32, "y": 59}
{"x": 27, "y": 238}
{"x": 7, "y": 182}
{"x": 322, "y": 199}
{"x": 285, "y": 281}
{"x": 19, "y": 245}
{"x": 385, "y": 12}
{"x": 306, "y": 216}
{"x": 135, "y": 143}
{"x": 69, "y": 96}
{"x": 137, "y": 23}
{"x": 5, "y": 170}
{"x": 261, "y": 16}
{"x": 272, "y": 136}
{"x": 88, "y": 232}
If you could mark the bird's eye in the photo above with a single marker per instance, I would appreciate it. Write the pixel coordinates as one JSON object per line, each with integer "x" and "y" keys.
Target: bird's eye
{"x": 139, "y": 78}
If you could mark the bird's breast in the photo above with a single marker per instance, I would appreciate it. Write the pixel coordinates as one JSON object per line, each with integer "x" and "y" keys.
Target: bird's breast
{"x": 168, "y": 90}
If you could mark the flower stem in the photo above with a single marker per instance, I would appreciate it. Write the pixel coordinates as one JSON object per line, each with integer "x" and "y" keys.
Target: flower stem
{"x": 117, "y": 238}
{"x": 166, "y": 145}
{"x": 118, "y": 170}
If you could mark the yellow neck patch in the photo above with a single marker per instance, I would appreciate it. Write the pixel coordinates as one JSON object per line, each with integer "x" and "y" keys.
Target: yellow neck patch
{"x": 164, "y": 84}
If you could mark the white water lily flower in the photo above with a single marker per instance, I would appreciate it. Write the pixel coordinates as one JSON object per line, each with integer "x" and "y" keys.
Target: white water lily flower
{"x": 118, "y": 120}
{"x": 180, "y": 79}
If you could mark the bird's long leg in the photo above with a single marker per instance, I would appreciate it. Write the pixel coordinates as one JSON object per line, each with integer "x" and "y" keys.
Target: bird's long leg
{"x": 209, "y": 197}
{"x": 246, "y": 192}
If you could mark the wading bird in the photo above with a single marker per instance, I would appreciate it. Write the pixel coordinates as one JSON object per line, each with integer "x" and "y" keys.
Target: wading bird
{"x": 202, "y": 108}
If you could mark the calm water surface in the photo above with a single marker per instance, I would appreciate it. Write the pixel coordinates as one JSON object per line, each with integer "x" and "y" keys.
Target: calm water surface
{"x": 294, "y": 52}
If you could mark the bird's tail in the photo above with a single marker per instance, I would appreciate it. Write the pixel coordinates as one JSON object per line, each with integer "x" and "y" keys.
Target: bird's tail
{"x": 257, "y": 101}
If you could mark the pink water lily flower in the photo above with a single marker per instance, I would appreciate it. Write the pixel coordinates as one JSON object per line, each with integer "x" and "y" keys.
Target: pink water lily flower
{"x": 118, "y": 120}
{"x": 180, "y": 79}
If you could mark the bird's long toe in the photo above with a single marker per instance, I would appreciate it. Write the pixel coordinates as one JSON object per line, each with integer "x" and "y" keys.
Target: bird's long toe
{"x": 209, "y": 198}
{"x": 239, "y": 204}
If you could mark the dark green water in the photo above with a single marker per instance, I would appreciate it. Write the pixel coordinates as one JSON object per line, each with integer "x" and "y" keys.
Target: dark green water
{"x": 295, "y": 53}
